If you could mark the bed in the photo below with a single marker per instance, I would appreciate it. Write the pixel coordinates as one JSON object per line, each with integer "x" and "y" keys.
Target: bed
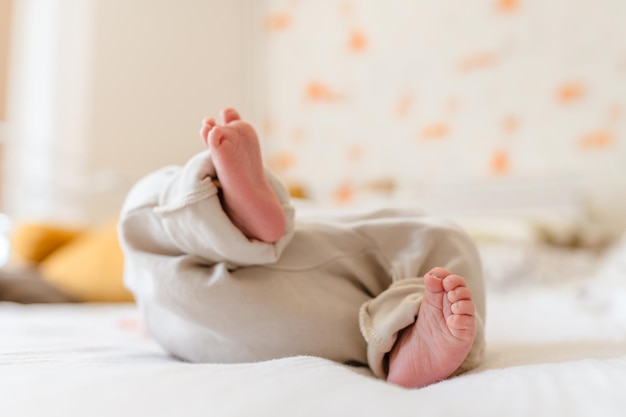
{"x": 556, "y": 336}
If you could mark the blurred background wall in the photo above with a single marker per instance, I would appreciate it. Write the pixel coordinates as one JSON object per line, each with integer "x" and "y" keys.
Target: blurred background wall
{"x": 102, "y": 92}
{"x": 411, "y": 96}
{"x": 353, "y": 98}
{"x": 5, "y": 30}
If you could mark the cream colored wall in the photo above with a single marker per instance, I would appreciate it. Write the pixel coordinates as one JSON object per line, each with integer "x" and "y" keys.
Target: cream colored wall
{"x": 158, "y": 69}
{"x": 5, "y": 25}
{"x": 123, "y": 85}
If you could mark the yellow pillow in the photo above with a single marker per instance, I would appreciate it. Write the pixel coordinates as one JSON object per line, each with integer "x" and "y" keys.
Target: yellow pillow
{"x": 90, "y": 268}
{"x": 85, "y": 264}
{"x": 34, "y": 242}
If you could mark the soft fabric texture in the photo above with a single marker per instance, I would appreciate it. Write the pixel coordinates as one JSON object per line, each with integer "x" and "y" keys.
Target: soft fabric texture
{"x": 209, "y": 294}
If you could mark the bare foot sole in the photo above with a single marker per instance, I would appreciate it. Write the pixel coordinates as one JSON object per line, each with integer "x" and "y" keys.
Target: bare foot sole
{"x": 437, "y": 344}
{"x": 249, "y": 201}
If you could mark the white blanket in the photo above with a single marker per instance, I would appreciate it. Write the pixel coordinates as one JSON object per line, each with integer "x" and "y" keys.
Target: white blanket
{"x": 554, "y": 349}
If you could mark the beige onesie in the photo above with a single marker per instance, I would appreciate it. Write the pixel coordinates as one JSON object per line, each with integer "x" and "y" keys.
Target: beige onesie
{"x": 336, "y": 285}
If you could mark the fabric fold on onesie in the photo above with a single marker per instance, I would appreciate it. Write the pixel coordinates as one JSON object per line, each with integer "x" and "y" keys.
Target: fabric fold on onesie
{"x": 193, "y": 195}
{"x": 382, "y": 318}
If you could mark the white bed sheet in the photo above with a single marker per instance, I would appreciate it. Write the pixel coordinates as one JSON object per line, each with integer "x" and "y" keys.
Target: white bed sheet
{"x": 554, "y": 349}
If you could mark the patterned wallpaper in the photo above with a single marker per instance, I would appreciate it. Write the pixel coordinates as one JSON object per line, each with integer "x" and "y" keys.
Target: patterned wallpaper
{"x": 371, "y": 96}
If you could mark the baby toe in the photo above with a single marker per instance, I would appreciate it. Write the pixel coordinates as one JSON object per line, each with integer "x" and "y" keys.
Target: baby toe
{"x": 452, "y": 282}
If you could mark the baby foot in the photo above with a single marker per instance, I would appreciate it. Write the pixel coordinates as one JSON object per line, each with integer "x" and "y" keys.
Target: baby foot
{"x": 441, "y": 338}
{"x": 248, "y": 199}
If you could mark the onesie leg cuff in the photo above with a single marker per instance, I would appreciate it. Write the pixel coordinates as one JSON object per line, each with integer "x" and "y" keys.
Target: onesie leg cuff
{"x": 383, "y": 317}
